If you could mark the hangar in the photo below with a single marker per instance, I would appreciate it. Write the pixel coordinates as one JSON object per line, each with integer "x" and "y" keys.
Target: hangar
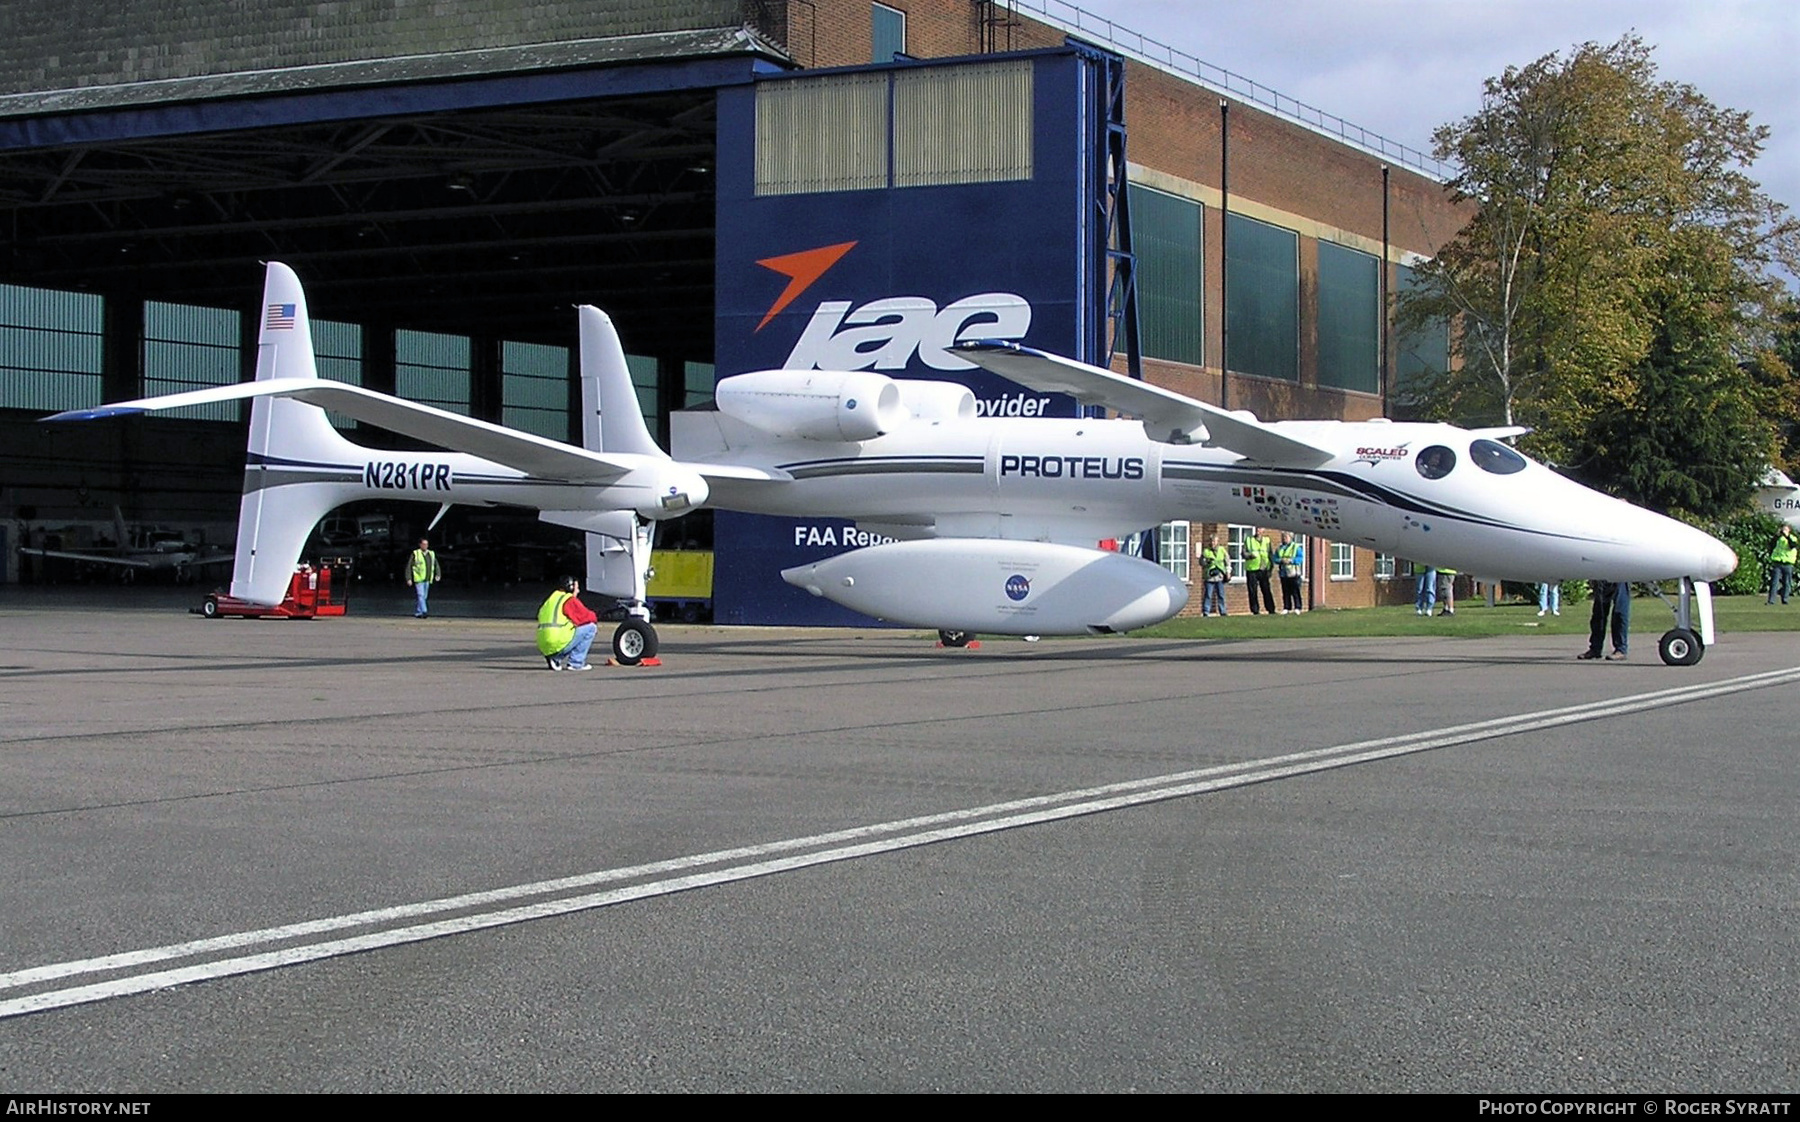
{"x": 449, "y": 182}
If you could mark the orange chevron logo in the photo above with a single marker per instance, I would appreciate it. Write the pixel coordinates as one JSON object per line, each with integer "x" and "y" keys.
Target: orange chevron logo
{"x": 801, "y": 269}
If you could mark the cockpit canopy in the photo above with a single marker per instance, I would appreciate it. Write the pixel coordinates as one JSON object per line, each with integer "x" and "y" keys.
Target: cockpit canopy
{"x": 1490, "y": 456}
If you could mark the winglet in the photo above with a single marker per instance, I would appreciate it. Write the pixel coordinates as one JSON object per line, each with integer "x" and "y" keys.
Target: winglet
{"x": 611, "y": 420}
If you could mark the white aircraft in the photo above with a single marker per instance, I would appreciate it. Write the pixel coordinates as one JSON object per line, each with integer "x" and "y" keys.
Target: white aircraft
{"x": 141, "y": 549}
{"x": 1780, "y": 497}
{"x": 998, "y": 518}
{"x": 299, "y": 467}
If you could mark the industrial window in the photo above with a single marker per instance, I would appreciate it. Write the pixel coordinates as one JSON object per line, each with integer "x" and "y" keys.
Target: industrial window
{"x": 50, "y": 349}
{"x": 698, "y": 379}
{"x": 337, "y": 350}
{"x": 1234, "y": 548}
{"x": 1262, "y": 313}
{"x": 190, "y": 348}
{"x": 534, "y": 388}
{"x": 949, "y": 124}
{"x": 1165, "y": 236}
{"x": 645, "y": 379}
{"x": 1349, "y": 319}
{"x": 1172, "y": 549}
{"x": 433, "y": 369}
{"x": 1343, "y": 561}
{"x": 1420, "y": 354}
{"x": 887, "y": 33}
{"x": 822, "y": 134}
{"x": 962, "y": 124}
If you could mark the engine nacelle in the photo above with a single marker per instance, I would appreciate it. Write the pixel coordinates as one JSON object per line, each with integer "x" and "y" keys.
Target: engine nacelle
{"x": 813, "y": 404}
{"x": 936, "y": 401}
{"x": 995, "y": 586}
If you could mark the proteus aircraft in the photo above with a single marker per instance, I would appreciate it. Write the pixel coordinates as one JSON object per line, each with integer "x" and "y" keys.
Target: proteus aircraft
{"x": 995, "y": 521}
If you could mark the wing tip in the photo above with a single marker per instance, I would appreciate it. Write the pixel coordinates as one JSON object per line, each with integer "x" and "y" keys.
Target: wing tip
{"x": 97, "y": 414}
{"x": 983, "y": 346}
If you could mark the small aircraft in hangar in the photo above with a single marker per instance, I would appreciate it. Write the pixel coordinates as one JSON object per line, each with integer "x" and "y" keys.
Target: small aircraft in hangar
{"x": 140, "y": 549}
{"x": 995, "y": 519}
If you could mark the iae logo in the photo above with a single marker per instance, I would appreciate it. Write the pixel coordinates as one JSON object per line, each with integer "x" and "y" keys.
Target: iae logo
{"x": 885, "y": 334}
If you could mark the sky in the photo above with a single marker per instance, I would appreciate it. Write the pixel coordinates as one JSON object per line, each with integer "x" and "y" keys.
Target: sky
{"x": 1401, "y": 68}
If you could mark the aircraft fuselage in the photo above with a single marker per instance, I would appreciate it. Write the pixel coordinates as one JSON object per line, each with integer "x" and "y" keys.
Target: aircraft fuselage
{"x": 1466, "y": 506}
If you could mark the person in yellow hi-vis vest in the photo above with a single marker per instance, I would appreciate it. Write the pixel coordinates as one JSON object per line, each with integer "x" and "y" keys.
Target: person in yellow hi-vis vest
{"x": 1258, "y": 560}
{"x": 1447, "y": 591}
{"x": 422, "y": 572}
{"x": 566, "y": 628}
{"x": 1290, "y": 563}
{"x": 1782, "y": 554}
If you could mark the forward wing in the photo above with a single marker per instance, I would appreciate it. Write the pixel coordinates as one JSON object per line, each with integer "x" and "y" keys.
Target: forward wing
{"x": 1168, "y": 416}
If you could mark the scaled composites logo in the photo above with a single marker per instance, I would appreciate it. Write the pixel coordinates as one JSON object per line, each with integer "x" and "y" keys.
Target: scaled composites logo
{"x": 884, "y": 334}
{"x": 1373, "y": 456}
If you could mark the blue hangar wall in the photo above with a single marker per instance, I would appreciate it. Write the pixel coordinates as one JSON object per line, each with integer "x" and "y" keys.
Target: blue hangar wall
{"x": 910, "y": 257}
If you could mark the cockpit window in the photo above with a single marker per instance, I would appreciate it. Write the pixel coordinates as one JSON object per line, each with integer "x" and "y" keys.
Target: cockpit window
{"x": 1435, "y": 462}
{"x": 1497, "y": 458}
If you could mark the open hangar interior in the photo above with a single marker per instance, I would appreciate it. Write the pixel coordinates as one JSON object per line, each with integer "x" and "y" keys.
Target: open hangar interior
{"x": 472, "y": 196}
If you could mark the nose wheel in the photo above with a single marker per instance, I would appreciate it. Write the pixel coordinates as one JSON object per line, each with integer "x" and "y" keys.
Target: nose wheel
{"x": 1680, "y": 647}
{"x": 1685, "y": 643}
{"x": 633, "y": 642}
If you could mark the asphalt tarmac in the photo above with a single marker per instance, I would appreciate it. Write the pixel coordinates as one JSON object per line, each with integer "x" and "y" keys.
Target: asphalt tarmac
{"x": 380, "y": 854}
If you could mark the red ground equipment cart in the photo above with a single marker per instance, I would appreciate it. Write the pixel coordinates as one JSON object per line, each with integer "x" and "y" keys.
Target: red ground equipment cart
{"x": 313, "y": 592}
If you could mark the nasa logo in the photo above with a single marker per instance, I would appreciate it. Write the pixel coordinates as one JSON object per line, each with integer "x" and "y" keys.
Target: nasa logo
{"x": 1017, "y": 587}
{"x": 851, "y": 404}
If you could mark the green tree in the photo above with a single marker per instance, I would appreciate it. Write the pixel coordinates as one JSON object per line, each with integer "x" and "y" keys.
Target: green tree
{"x": 1619, "y": 268}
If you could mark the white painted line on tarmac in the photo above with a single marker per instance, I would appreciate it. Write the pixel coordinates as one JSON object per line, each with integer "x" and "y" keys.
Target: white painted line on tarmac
{"x": 749, "y": 862}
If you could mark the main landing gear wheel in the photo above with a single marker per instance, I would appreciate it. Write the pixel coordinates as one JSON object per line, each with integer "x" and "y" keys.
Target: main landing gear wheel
{"x": 634, "y": 642}
{"x": 1680, "y": 647}
{"x": 954, "y": 638}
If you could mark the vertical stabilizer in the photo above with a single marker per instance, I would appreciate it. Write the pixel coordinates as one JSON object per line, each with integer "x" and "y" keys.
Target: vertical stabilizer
{"x": 610, "y": 418}
{"x": 297, "y": 466}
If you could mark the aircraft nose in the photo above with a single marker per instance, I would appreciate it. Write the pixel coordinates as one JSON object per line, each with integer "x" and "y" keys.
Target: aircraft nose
{"x": 1716, "y": 560}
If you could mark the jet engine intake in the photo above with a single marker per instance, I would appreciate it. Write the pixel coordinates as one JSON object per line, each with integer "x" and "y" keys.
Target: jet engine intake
{"x": 833, "y": 405}
{"x": 936, "y": 401}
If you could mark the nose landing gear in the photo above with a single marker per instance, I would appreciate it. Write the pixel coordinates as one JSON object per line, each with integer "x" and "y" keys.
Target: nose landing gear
{"x": 1685, "y": 644}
